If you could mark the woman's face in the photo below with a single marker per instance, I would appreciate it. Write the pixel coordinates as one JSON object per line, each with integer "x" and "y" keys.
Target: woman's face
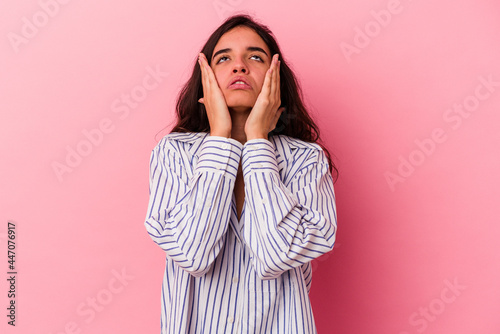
{"x": 240, "y": 62}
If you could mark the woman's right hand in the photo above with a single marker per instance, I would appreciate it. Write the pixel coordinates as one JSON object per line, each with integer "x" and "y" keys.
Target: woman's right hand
{"x": 214, "y": 101}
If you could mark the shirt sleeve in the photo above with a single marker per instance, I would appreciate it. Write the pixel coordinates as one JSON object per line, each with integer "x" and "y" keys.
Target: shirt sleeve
{"x": 288, "y": 225}
{"x": 188, "y": 216}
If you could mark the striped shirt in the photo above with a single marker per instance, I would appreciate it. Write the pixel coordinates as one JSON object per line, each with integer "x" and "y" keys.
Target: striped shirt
{"x": 251, "y": 275}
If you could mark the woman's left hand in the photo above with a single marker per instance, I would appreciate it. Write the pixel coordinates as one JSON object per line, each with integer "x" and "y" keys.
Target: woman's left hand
{"x": 265, "y": 112}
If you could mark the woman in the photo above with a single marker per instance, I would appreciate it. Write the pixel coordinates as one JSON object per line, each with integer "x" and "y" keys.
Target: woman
{"x": 239, "y": 209}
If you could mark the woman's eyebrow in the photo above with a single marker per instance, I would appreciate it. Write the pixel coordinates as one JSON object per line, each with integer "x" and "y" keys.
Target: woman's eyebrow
{"x": 250, "y": 48}
{"x": 256, "y": 48}
{"x": 221, "y": 51}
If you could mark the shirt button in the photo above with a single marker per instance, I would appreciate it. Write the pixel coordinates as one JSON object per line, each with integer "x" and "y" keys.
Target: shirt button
{"x": 230, "y": 319}
{"x": 235, "y": 279}
{"x": 258, "y": 165}
{"x": 264, "y": 201}
{"x": 224, "y": 146}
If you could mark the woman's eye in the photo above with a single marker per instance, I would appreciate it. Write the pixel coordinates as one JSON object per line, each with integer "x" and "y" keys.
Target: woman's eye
{"x": 221, "y": 59}
{"x": 225, "y": 58}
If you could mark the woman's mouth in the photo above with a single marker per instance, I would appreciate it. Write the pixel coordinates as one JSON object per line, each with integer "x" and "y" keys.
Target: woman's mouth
{"x": 239, "y": 83}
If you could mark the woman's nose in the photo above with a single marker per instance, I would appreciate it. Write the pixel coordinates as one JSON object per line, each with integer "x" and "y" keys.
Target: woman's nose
{"x": 238, "y": 66}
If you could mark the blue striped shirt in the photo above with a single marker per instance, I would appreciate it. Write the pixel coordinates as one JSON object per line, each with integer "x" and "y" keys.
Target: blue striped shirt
{"x": 251, "y": 275}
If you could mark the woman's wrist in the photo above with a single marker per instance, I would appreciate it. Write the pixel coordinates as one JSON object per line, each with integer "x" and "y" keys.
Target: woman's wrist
{"x": 255, "y": 135}
{"x": 220, "y": 133}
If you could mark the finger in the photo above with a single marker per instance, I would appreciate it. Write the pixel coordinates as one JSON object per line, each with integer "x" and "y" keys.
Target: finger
{"x": 200, "y": 61}
{"x": 205, "y": 100}
{"x": 202, "y": 79}
{"x": 210, "y": 74}
{"x": 206, "y": 81}
{"x": 278, "y": 83}
{"x": 205, "y": 67}
{"x": 211, "y": 80}
{"x": 274, "y": 87}
{"x": 203, "y": 73}
{"x": 266, "y": 86}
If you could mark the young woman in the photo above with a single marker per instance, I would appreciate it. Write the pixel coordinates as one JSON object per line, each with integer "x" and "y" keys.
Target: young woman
{"x": 241, "y": 195}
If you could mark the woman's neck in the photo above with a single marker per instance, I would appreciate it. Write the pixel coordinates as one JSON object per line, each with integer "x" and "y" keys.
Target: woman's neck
{"x": 238, "y": 121}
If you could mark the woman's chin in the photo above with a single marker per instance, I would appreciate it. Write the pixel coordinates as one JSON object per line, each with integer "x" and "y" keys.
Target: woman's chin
{"x": 240, "y": 107}
{"x": 239, "y": 100}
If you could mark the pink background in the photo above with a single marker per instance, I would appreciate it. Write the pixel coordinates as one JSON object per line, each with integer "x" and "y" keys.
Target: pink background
{"x": 417, "y": 198}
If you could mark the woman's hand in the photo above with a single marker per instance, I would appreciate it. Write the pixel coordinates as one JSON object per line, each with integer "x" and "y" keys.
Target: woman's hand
{"x": 213, "y": 99}
{"x": 265, "y": 112}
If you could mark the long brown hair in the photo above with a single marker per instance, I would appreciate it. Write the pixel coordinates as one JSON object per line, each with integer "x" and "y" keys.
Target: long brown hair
{"x": 295, "y": 121}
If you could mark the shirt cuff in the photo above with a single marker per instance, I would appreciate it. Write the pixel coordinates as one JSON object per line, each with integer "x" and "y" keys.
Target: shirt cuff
{"x": 259, "y": 156}
{"x": 219, "y": 154}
